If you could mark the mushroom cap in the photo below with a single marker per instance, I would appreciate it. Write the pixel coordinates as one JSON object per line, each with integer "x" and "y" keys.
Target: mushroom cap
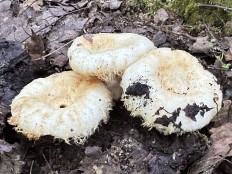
{"x": 171, "y": 91}
{"x": 107, "y": 55}
{"x": 66, "y": 105}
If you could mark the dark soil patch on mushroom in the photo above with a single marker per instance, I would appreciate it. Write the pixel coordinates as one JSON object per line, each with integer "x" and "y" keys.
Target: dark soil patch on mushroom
{"x": 138, "y": 89}
{"x": 192, "y": 110}
{"x": 122, "y": 145}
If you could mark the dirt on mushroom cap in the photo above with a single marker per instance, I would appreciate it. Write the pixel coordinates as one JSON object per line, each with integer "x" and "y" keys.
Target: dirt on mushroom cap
{"x": 178, "y": 94}
{"x": 64, "y": 105}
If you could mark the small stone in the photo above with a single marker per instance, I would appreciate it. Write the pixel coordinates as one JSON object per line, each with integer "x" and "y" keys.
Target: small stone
{"x": 93, "y": 150}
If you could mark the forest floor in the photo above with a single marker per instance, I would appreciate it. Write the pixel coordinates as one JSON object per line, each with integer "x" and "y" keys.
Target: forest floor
{"x": 122, "y": 145}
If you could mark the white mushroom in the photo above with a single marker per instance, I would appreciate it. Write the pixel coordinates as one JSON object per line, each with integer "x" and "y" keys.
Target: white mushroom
{"x": 107, "y": 55}
{"x": 171, "y": 91}
{"x": 64, "y": 105}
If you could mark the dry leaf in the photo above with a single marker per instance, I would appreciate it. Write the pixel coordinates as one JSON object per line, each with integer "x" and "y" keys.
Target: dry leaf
{"x": 93, "y": 151}
{"x": 220, "y": 149}
{"x": 35, "y": 46}
{"x": 35, "y": 4}
{"x": 202, "y": 45}
{"x": 97, "y": 169}
{"x": 10, "y": 161}
{"x": 15, "y": 8}
{"x": 228, "y": 54}
{"x": 224, "y": 115}
{"x": 160, "y": 16}
{"x": 5, "y": 147}
{"x": 59, "y": 61}
{"x": 68, "y": 35}
{"x": 111, "y": 4}
{"x": 82, "y": 3}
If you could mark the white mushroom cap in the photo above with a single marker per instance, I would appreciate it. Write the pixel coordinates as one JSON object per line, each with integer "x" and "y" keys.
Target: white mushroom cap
{"x": 64, "y": 105}
{"x": 171, "y": 91}
{"x": 107, "y": 55}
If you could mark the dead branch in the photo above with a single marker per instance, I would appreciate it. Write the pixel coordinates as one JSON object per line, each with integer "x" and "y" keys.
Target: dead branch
{"x": 214, "y": 6}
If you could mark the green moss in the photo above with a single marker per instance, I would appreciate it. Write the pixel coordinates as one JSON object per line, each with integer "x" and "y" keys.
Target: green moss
{"x": 150, "y": 5}
{"x": 194, "y": 12}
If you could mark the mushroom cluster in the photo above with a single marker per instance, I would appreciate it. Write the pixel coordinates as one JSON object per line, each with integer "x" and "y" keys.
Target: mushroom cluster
{"x": 107, "y": 56}
{"x": 70, "y": 105}
{"x": 169, "y": 89}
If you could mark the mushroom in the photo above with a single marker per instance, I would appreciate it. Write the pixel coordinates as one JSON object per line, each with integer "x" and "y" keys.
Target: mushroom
{"x": 171, "y": 91}
{"x": 107, "y": 55}
{"x": 66, "y": 105}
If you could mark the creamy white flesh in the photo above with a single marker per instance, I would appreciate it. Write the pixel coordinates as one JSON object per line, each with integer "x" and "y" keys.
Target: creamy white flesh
{"x": 171, "y": 91}
{"x": 65, "y": 105}
{"x": 106, "y": 55}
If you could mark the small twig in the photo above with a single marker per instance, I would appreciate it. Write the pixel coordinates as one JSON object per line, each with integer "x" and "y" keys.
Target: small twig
{"x": 214, "y": 6}
{"x": 25, "y": 153}
{"x": 184, "y": 34}
{"x": 43, "y": 57}
{"x": 47, "y": 162}
{"x": 214, "y": 68}
{"x": 59, "y": 18}
{"x": 166, "y": 29}
{"x": 99, "y": 163}
{"x": 211, "y": 34}
{"x": 115, "y": 133}
{"x": 216, "y": 157}
{"x": 32, "y": 163}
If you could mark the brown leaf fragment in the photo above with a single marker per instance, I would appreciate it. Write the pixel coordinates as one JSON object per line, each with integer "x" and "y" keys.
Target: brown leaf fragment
{"x": 224, "y": 115}
{"x": 82, "y": 3}
{"x": 114, "y": 4}
{"x": 60, "y": 61}
{"x": 108, "y": 29}
{"x": 202, "y": 45}
{"x": 72, "y": 22}
{"x": 35, "y": 46}
{"x": 14, "y": 6}
{"x": 228, "y": 53}
{"x": 35, "y": 4}
{"x": 138, "y": 30}
{"x": 220, "y": 149}
{"x": 5, "y": 147}
{"x": 227, "y": 28}
{"x": 160, "y": 16}
{"x": 10, "y": 162}
{"x": 111, "y": 4}
{"x": 88, "y": 37}
{"x": 228, "y": 41}
{"x": 68, "y": 35}
{"x": 57, "y": 11}
{"x": 93, "y": 150}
